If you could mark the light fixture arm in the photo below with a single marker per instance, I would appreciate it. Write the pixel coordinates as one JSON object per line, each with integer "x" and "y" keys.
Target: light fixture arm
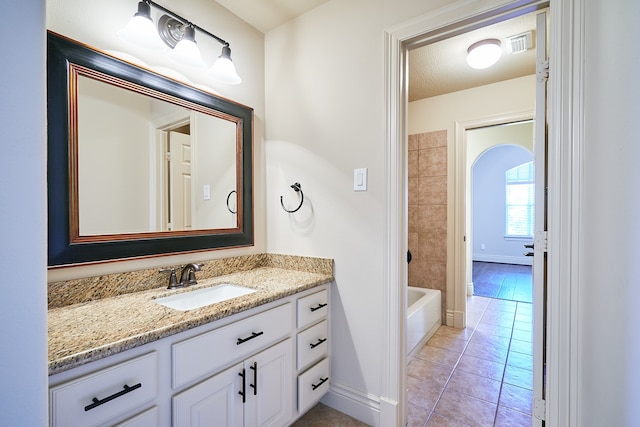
{"x": 186, "y": 22}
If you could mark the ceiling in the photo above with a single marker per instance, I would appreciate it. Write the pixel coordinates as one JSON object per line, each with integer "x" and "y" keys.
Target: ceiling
{"x": 266, "y": 15}
{"x": 441, "y": 67}
{"x": 434, "y": 69}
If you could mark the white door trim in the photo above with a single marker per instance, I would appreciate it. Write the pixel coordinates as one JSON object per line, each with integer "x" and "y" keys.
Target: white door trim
{"x": 565, "y": 162}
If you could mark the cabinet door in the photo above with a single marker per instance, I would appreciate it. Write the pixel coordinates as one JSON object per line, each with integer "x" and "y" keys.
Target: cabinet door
{"x": 270, "y": 386}
{"x": 215, "y": 402}
{"x": 145, "y": 419}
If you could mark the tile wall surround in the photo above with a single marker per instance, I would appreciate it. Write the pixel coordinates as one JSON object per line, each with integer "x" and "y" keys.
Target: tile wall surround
{"x": 427, "y": 173}
{"x": 64, "y": 293}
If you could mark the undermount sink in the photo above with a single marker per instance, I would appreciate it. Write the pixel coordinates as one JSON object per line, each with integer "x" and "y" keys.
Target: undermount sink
{"x": 202, "y": 297}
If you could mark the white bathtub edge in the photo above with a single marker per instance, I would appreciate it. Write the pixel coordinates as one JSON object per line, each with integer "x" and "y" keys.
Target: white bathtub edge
{"x": 424, "y": 317}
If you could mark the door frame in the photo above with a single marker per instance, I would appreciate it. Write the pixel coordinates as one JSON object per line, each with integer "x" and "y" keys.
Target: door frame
{"x": 566, "y": 115}
{"x": 158, "y": 134}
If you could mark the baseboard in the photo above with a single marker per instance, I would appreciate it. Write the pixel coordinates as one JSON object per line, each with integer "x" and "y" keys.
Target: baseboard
{"x": 469, "y": 289}
{"x": 356, "y": 404}
{"x": 449, "y": 317}
{"x": 390, "y": 413}
{"x": 456, "y": 319}
{"x": 503, "y": 259}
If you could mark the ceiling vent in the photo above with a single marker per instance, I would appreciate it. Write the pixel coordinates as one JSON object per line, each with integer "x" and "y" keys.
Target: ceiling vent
{"x": 520, "y": 42}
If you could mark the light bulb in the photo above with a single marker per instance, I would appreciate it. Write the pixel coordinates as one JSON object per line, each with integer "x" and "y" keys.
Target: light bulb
{"x": 141, "y": 31}
{"x": 223, "y": 69}
{"x": 186, "y": 51}
{"x": 484, "y": 53}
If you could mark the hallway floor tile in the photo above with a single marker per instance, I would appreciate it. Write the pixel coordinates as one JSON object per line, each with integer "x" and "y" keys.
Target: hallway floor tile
{"x": 485, "y": 374}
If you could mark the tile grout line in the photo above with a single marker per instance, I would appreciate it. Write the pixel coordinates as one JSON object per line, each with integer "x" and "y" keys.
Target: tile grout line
{"x": 504, "y": 370}
{"x": 433, "y": 410}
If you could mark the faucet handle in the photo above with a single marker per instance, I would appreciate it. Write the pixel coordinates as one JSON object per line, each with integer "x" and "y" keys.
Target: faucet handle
{"x": 173, "y": 279}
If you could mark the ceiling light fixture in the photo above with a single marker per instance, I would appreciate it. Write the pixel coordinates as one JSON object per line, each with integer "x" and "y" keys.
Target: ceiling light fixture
{"x": 484, "y": 54}
{"x": 179, "y": 34}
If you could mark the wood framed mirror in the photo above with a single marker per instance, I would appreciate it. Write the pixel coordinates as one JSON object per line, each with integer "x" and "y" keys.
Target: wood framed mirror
{"x": 140, "y": 164}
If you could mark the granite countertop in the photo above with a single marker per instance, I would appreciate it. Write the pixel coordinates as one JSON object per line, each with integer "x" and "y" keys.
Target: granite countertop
{"x": 88, "y": 331}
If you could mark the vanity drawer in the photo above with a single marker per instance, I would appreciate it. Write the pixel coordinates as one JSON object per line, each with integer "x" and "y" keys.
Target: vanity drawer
{"x": 204, "y": 354}
{"x": 105, "y": 394}
{"x": 313, "y": 384}
{"x": 312, "y": 308}
{"x": 312, "y": 344}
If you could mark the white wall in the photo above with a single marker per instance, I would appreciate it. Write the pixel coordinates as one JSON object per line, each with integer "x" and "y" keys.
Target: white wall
{"x": 98, "y": 26}
{"x": 325, "y": 117}
{"x": 23, "y": 206}
{"x": 113, "y": 159}
{"x": 609, "y": 284}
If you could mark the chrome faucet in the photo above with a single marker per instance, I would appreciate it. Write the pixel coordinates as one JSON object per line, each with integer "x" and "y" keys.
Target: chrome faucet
{"x": 188, "y": 275}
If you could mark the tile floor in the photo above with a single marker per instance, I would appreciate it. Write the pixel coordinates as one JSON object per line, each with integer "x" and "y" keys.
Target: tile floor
{"x": 504, "y": 281}
{"x": 478, "y": 376}
{"x": 324, "y": 416}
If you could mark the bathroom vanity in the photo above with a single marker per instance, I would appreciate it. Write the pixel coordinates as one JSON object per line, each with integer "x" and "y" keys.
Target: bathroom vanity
{"x": 256, "y": 360}
{"x": 117, "y": 354}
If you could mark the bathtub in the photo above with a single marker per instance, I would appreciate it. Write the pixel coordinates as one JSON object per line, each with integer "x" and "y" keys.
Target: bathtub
{"x": 423, "y": 316}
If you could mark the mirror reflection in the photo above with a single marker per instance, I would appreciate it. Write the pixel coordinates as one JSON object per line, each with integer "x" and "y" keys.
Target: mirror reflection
{"x": 139, "y": 164}
{"x": 148, "y": 165}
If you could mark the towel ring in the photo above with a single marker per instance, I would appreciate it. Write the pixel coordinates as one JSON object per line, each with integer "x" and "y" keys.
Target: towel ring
{"x": 297, "y": 188}
{"x": 229, "y": 195}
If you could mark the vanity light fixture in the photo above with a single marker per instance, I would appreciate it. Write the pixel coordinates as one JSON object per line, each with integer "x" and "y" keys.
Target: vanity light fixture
{"x": 179, "y": 34}
{"x": 484, "y": 54}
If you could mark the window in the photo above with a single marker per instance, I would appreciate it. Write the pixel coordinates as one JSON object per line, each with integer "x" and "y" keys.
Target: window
{"x": 520, "y": 186}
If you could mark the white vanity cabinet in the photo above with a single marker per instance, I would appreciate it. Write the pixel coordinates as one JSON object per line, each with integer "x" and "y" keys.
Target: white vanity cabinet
{"x": 256, "y": 392}
{"x": 312, "y": 348}
{"x": 262, "y": 367}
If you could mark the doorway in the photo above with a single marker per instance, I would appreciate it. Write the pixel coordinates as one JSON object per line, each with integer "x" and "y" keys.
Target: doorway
{"x": 484, "y": 372}
{"x": 472, "y": 313}
{"x": 502, "y": 211}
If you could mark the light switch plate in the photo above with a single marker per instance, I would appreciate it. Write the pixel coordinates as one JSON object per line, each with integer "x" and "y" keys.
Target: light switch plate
{"x": 360, "y": 179}
{"x": 206, "y": 192}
